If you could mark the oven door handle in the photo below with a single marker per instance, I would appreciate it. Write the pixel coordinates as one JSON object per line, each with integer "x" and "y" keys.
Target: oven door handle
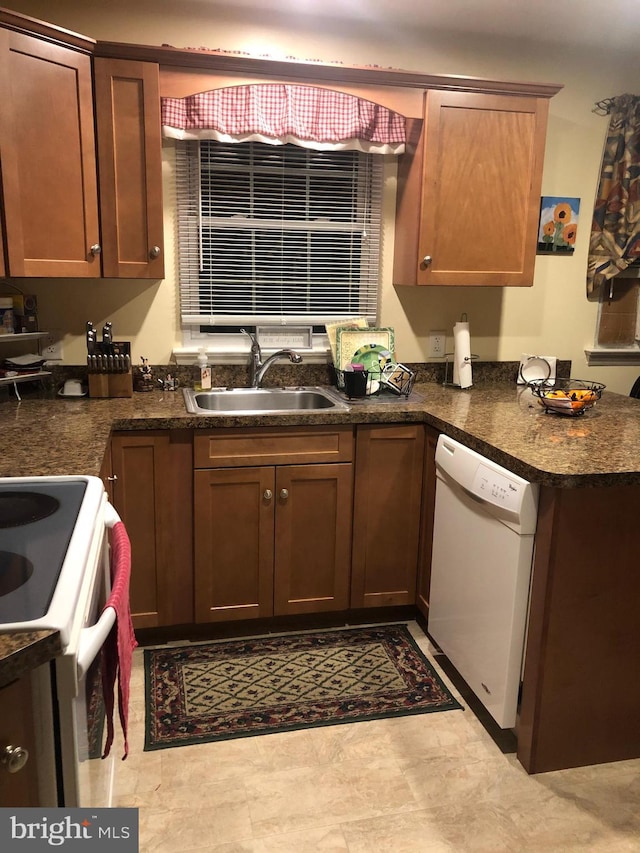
{"x": 93, "y": 639}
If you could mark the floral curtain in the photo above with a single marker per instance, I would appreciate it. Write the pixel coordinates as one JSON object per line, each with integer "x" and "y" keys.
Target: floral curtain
{"x": 615, "y": 231}
{"x": 279, "y": 113}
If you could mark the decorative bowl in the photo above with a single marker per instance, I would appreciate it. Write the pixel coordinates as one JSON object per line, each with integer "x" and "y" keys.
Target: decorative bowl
{"x": 567, "y": 396}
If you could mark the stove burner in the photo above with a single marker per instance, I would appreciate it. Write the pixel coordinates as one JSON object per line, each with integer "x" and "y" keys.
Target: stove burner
{"x": 18, "y": 508}
{"x": 15, "y": 570}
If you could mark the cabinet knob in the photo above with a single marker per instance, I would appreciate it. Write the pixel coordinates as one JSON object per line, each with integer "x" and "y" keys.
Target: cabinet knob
{"x": 14, "y": 758}
{"x": 284, "y": 494}
{"x": 154, "y": 252}
{"x": 426, "y": 260}
{"x": 268, "y": 494}
{"x": 96, "y": 249}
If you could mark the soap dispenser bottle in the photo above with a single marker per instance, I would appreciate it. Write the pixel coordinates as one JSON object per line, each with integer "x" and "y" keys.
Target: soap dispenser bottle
{"x": 205, "y": 370}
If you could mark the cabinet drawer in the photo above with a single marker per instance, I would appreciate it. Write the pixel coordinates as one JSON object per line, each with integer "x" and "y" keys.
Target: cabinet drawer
{"x": 224, "y": 448}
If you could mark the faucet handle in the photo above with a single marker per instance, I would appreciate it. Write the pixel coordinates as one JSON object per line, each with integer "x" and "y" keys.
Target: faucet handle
{"x": 255, "y": 346}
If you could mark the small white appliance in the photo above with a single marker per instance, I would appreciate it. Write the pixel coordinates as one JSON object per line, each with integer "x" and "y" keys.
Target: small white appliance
{"x": 484, "y": 526}
{"x": 55, "y": 573}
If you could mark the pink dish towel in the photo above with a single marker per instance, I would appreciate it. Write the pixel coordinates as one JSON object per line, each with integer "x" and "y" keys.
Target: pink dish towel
{"x": 117, "y": 652}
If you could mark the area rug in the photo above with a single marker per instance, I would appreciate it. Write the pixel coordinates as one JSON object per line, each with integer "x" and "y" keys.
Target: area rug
{"x": 198, "y": 693}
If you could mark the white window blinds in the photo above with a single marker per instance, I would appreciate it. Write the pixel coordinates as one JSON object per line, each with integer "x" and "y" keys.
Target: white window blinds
{"x": 277, "y": 234}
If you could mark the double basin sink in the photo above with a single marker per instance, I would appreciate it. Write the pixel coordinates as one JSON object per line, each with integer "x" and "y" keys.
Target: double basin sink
{"x": 259, "y": 401}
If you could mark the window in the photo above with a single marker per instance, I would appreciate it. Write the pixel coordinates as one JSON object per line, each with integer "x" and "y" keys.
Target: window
{"x": 277, "y": 234}
{"x": 618, "y": 315}
{"x": 617, "y": 338}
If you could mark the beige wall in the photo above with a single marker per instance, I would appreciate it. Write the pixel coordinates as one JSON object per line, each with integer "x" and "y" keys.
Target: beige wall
{"x": 551, "y": 318}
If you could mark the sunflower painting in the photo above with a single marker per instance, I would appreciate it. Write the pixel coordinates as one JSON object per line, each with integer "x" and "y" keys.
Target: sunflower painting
{"x": 558, "y": 224}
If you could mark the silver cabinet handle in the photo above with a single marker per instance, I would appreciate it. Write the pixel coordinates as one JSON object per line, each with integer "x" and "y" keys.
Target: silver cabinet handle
{"x": 284, "y": 494}
{"x": 268, "y": 494}
{"x": 113, "y": 478}
{"x": 96, "y": 249}
{"x": 14, "y": 758}
{"x": 426, "y": 260}
{"x": 154, "y": 251}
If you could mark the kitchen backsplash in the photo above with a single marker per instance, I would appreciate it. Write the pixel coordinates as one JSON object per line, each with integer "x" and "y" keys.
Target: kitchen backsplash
{"x": 237, "y": 375}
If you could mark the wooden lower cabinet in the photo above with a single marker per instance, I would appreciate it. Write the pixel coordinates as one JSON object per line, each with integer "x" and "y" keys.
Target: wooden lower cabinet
{"x": 233, "y": 538}
{"x": 272, "y": 540}
{"x": 580, "y": 691}
{"x": 386, "y": 516}
{"x": 18, "y": 789}
{"x": 426, "y": 520}
{"x": 152, "y": 492}
{"x": 312, "y": 538}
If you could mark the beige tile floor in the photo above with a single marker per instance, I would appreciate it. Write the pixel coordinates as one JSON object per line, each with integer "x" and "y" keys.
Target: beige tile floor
{"x": 426, "y": 784}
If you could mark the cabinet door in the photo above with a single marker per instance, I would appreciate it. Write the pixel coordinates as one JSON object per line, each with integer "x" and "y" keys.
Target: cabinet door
{"x": 152, "y": 493}
{"x": 234, "y": 516}
{"x": 386, "y": 515}
{"x": 18, "y": 789}
{"x": 3, "y": 268}
{"x": 474, "y": 170}
{"x": 313, "y": 538}
{"x": 47, "y": 147}
{"x": 426, "y": 525}
{"x": 106, "y": 474}
{"x": 130, "y": 157}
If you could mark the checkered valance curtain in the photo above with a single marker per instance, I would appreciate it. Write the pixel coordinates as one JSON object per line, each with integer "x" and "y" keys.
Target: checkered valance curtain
{"x": 278, "y": 113}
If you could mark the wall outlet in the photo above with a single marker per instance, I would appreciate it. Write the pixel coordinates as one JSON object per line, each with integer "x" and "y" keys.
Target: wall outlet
{"x": 51, "y": 347}
{"x": 437, "y": 343}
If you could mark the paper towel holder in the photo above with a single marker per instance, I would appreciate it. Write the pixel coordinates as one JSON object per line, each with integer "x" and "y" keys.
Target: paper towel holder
{"x": 448, "y": 359}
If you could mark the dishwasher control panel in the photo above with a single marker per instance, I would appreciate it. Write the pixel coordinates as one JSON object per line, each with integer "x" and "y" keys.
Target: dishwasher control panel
{"x": 493, "y": 486}
{"x": 506, "y": 496}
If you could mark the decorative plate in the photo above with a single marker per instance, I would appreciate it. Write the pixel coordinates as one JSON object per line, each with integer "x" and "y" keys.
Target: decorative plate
{"x": 354, "y": 344}
{"x": 372, "y": 357}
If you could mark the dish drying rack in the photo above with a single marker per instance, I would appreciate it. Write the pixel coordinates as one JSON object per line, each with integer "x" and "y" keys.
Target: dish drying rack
{"x": 394, "y": 379}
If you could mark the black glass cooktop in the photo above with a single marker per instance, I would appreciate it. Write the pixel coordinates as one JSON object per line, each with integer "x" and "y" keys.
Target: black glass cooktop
{"x": 37, "y": 519}
{"x": 25, "y": 507}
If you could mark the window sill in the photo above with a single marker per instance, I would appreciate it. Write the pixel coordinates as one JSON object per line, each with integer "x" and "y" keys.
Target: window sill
{"x": 189, "y": 356}
{"x": 598, "y": 357}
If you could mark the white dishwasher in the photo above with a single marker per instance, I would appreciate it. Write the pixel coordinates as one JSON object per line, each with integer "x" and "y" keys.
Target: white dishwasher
{"x": 484, "y": 526}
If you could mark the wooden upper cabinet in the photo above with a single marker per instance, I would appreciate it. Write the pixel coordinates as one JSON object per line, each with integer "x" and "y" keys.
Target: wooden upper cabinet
{"x": 47, "y": 150}
{"x": 130, "y": 166}
{"x": 3, "y": 268}
{"x": 469, "y": 191}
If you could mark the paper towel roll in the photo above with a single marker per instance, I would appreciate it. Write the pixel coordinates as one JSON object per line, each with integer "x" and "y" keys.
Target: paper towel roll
{"x": 462, "y": 355}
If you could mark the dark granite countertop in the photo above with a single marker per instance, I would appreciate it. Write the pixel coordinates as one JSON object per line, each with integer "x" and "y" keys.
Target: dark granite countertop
{"x": 54, "y": 436}
{"x": 500, "y": 420}
{"x": 21, "y": 651}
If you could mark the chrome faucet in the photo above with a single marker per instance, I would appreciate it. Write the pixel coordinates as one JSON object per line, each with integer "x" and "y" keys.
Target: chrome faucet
{"x": 258, "y": 367}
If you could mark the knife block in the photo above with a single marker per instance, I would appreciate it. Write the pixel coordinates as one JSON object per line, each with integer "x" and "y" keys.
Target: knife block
{"x": 110, "y": 384}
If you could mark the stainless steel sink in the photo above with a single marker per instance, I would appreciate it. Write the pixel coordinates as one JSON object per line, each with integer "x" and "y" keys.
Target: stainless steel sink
{"x": 259, "y": 401}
